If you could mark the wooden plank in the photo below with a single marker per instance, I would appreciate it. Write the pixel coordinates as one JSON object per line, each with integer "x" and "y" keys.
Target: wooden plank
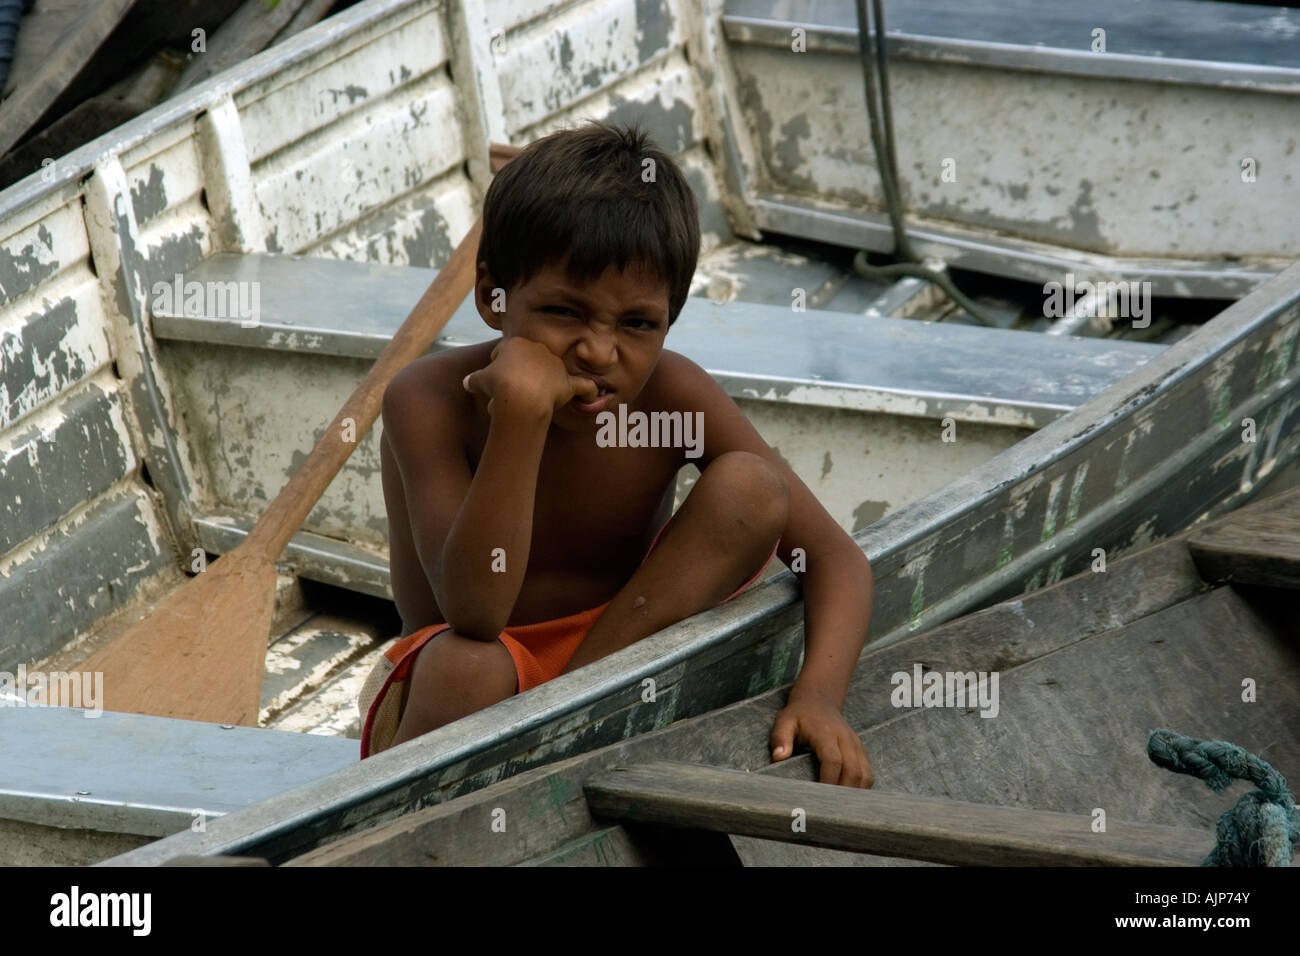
{"x": 35, "y": 94}
{"x": 250, "y": 29}
{"x": 1071, "y": 731}
{"x": 927, "y": 828}
{"x": 1039, "y": 624}
{"x": 126, "y": 99}
{"x": 40, "y": 31}
{"x": 1257, "y": 544}
{"x": 643, "y": 846}
{"x": 223, "y": 861}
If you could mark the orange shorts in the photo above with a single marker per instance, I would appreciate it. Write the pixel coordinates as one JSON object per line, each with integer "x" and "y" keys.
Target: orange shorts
{"x": 540, "y": 652}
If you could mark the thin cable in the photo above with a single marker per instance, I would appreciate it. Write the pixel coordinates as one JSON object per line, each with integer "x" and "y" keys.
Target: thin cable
{"x": 904, "y": 244}
{"x": 881, "y": 121}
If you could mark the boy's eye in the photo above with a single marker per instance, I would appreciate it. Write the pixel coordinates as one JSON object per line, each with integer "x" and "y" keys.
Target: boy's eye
{"x": 559, "y": 309}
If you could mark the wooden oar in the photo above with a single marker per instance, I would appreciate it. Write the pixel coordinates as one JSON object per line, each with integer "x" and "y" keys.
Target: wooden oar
{"x": 201, "y": 654}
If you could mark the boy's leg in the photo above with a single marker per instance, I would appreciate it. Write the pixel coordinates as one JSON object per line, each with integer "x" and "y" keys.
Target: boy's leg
{"x": 723, "y": 532}
{"x": 452, "y": 677}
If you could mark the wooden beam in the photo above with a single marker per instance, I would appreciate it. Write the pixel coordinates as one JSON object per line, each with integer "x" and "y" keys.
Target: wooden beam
{"x": 34, "y": 94}
{"x": 890, "y": 824}
{"x": 250, "y": 30}
{"x": 1257, "y": 544}
{"x": 209, "y": 861}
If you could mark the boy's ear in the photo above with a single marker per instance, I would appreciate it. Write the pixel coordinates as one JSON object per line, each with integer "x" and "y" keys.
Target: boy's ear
{"x": 489, "y": 298}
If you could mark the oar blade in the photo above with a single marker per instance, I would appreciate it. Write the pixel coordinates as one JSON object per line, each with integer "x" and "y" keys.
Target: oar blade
{"x": 201, "y": 654}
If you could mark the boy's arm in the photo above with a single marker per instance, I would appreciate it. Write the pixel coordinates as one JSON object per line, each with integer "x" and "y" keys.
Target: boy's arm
{"x": 837, "y": 587}
{"x": 457, "y": 517}
{"x": 473, "y": 532}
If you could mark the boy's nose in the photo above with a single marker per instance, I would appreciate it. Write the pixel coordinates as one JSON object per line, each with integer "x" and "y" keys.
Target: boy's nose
{"x": 597, "y": 348}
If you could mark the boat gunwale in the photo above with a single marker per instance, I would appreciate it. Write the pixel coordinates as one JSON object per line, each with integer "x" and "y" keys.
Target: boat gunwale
{"x": 747, "y": 29}
{"x": 80, "y": 163}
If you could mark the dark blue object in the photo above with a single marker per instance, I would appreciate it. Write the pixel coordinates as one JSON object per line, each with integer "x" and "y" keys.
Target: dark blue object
{"x": 11, "y": 11}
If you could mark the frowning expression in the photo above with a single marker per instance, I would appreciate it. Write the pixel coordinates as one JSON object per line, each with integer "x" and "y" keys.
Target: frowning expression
{"x": 610, "y": 329}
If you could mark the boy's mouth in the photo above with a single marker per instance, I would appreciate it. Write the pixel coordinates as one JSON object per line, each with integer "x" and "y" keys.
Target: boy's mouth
{"x": 602, "y": 399}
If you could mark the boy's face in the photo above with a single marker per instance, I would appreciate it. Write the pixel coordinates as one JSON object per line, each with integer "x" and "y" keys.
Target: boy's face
{"x": 610, "y": 329}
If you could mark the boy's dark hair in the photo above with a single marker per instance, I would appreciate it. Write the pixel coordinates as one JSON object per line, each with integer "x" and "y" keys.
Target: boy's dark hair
{"x": 582, "y": 192}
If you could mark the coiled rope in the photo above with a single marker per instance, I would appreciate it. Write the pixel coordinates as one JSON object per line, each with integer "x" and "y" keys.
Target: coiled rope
{"x": 1263, "y": 827}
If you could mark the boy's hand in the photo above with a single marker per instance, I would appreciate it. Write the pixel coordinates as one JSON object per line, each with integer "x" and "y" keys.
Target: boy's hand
{"x": 816, "y": 721}
{"x": 526, "y": 374}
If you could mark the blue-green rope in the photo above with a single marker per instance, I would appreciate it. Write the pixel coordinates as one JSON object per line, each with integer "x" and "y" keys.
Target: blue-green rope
{"x": 1263, "y": 827}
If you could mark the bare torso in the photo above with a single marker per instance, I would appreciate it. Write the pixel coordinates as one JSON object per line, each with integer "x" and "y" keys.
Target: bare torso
{"x": 595, "y": 513}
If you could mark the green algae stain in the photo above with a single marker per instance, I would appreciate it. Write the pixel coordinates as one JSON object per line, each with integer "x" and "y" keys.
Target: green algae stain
{"x": 918, "y": 605}
{"x": 1222, "y": 405}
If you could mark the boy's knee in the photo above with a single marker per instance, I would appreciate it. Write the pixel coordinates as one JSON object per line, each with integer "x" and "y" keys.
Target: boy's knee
{"x": 462, "y": 662}
{"x": 453, "y": 676}
{"x": 753, "y": 485}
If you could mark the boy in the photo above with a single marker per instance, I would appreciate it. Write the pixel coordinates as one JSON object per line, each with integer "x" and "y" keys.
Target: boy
{"x": 521, "y": 545}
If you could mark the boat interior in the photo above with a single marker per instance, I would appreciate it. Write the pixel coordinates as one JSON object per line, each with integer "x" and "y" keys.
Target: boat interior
{"x": 142, "y": 434}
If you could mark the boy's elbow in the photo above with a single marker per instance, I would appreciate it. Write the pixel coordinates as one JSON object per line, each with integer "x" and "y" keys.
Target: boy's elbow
{"x": 868, "y": 578}
{"x": 475, "y": 630}
{"x": 855, "y": 560}
{"x": 476, "y": 626}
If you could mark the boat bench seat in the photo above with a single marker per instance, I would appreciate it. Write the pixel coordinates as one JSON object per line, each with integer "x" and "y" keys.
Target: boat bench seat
{"x": 151, "y": 776}
{"x": 759, "y": 351}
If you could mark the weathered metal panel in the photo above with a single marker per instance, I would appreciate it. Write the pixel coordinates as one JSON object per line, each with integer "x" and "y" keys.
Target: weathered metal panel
{"x": 1107, "y": 481}
{"x": 57, "y": 585}
{"x": 175, "y": 229}
{"x": 163, "y": 181}
{"x": 351, "y": 79}
{"x": 228, "y": 179}
{"x": 235, "y": 401}
{"x": 419, "y": 230}
{"x": 38, "y": 243}
{"x": 62, "y": 456}
{"x": 52, "y": 333}
{"x": 177, "y": 242}
{"x": 61, "y": 341}
{"x": 129, "y": 773}
{"x": 312, "y": 556}
{"x": 510, "y": 15}
{"x": 1190, "y": 42}
{"x": 733, "y": 150}
{"x": 862, "y": 466}
{"x": 618, "y": 62}
{"x": 367, "y": 161}
{"x": 249, "y": 80}
{"x": 1164, "y": 177}
{"x": 75, "y": 541}
{"x": 122, "y": 264}
{"x": 577, "y": 51}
